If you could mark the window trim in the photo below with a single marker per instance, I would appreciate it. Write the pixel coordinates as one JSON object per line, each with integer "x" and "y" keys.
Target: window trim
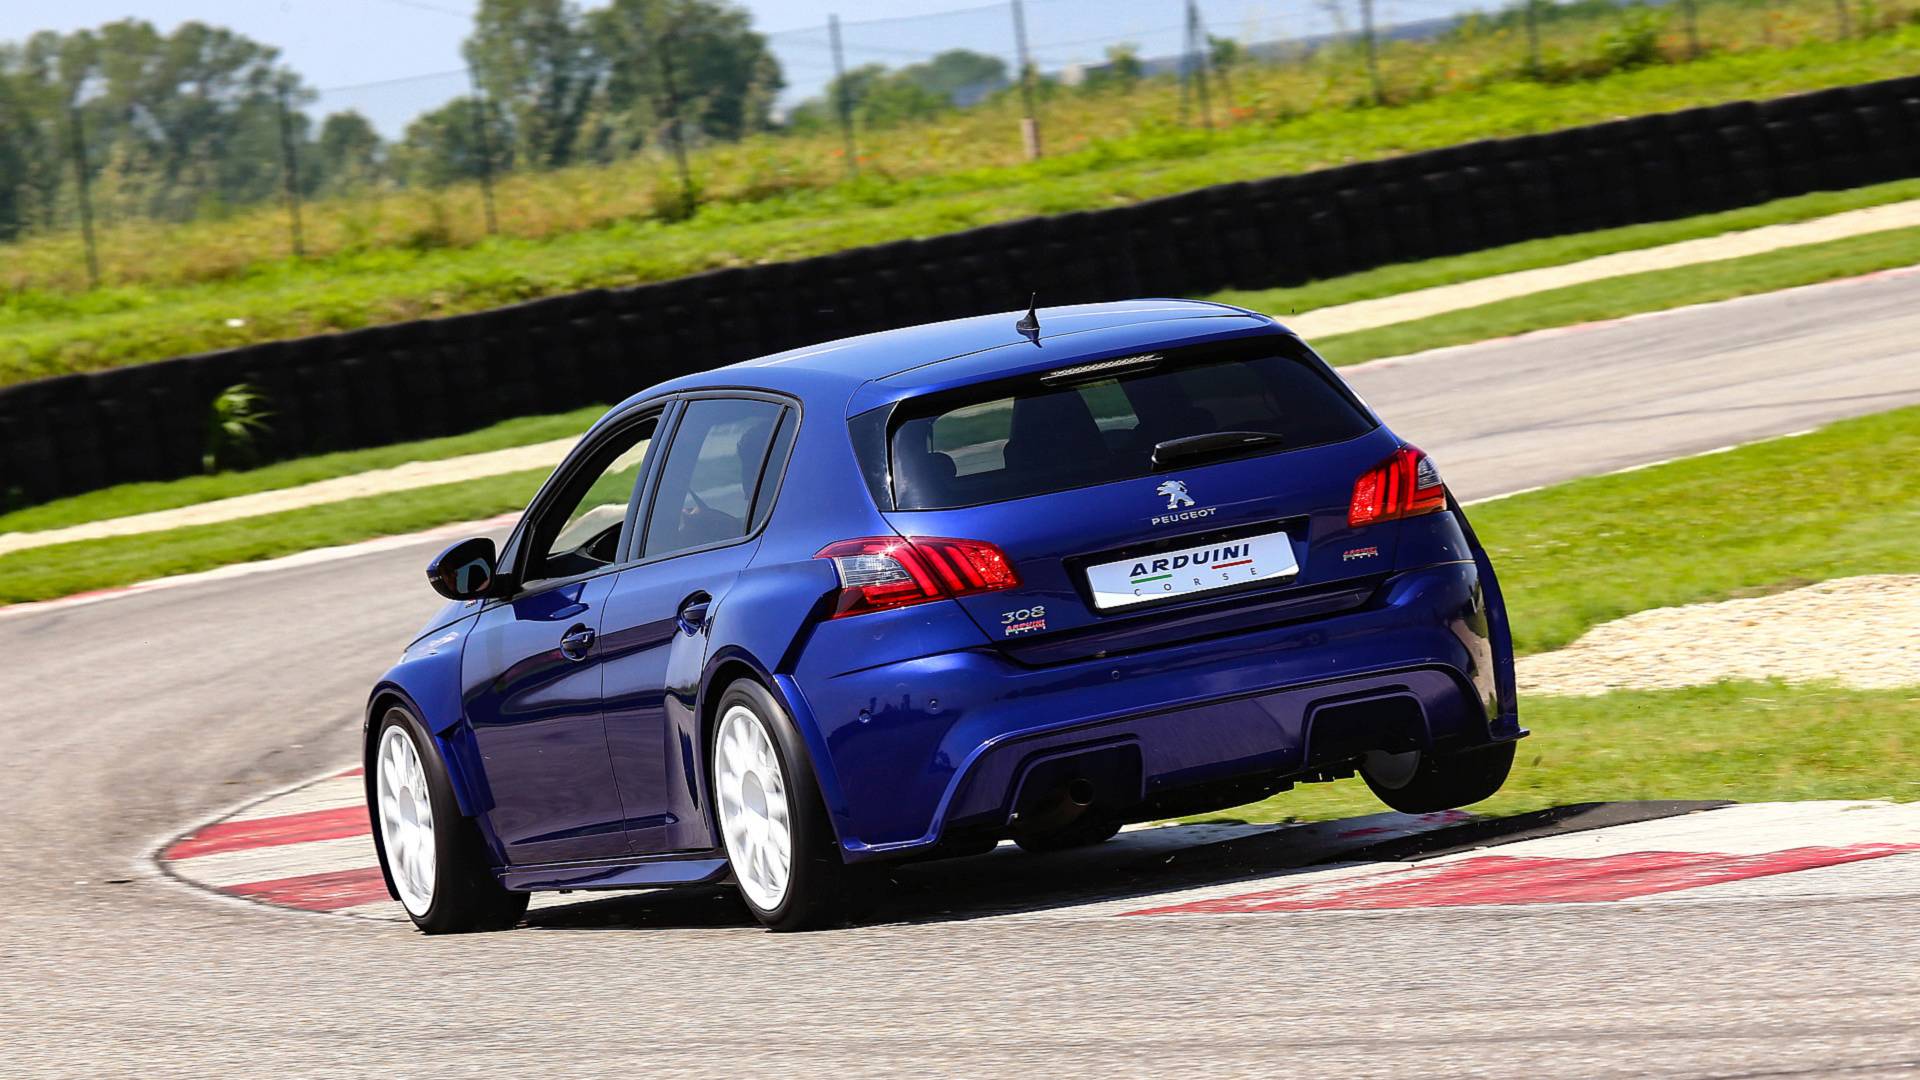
{"x": 632, "y": 553}
{"x": 519, "y": 544}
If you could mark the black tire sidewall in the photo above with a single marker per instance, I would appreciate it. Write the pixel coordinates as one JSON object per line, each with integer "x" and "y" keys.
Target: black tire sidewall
{"x": 1449, "y": 781}
{"x": 466, "y": 895}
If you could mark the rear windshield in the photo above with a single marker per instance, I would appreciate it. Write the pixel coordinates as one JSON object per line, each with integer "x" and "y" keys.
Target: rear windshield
{"x": 1012, "y": 442}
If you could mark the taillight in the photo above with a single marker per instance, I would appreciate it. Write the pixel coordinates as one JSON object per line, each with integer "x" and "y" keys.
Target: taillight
{"x": 1405, "y": 485}
{"x": 878, "y": 572}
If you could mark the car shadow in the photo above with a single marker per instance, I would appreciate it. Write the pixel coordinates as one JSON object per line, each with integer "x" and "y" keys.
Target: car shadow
{"x": 1141, "y": 864}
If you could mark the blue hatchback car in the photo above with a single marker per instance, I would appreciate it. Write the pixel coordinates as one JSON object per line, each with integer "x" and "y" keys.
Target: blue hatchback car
{"x": 910, "y": 594}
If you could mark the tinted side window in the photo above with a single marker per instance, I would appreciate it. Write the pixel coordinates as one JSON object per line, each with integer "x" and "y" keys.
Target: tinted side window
{"x": 582, "y": 528}
{"x": 712, "y": 474}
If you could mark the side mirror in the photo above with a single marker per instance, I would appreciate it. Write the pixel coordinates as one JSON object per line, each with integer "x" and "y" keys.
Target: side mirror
{"x": 465, "y": 571}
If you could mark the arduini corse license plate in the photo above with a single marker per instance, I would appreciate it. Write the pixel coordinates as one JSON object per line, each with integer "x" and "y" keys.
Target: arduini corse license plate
{"x": 1146, "y": 578}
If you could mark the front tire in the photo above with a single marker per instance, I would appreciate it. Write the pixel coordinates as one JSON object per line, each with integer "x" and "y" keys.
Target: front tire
{"x": 433, "y": 856}
{"x": 1420, "y": 783}
{"x": 772, "y": 820}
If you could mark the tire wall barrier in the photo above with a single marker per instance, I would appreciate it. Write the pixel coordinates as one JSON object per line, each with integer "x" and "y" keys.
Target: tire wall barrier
{"x": 433, "y": 377}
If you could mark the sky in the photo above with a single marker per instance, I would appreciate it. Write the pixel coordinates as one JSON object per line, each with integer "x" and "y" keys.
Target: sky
{"x": 393, "y": 59}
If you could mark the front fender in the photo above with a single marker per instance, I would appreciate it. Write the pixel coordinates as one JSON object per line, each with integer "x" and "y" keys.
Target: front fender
{"x": 427, "y": 682}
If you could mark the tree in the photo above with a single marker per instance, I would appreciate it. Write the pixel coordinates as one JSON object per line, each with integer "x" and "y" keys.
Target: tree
{"x": 1224, "y": 54}
{"x": 1122, "y": 71}
{"x": 700, "y": 58}
{"x": 961, "y": 76}
{"x": 880, "y": 96}
{"x": 444, "y": 144}
{"x": 173, "y": 122}
{"x": 349, "y": 154}
{"x": 532, "y": 57}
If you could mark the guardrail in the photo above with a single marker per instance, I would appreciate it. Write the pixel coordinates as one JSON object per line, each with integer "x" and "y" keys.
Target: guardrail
{"x": 434, "y": 377}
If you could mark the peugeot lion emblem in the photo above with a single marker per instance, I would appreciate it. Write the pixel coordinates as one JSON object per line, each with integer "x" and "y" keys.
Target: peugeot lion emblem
{"x": 1176, "y": 493}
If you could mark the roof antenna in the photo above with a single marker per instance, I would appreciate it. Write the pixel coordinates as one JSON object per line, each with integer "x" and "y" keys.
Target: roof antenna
{"x": 1029, "y": 323}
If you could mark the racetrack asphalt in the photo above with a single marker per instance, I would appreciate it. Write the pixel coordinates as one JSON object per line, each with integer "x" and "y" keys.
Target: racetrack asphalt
{"x": 127, "y": 720}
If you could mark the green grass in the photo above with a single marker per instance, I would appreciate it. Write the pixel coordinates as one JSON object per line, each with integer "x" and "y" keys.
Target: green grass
{"x": 64, "y": 569}
{"x": 1657, "y": 290}
{"x": 127, "y": 499}
{"x": 1559, "y": 251}
{"x": 47, "y": 331}
{"x": 1775, "y": 515}
{"x": 1739, "y": 740}
{"x": 1841, "y": 501}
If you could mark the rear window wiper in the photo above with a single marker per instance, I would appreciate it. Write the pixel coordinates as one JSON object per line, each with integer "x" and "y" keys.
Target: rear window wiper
{"x": 1209, "y": 445}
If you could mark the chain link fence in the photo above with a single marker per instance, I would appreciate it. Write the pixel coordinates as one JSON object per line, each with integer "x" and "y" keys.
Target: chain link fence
{"x": 88, "y": 197}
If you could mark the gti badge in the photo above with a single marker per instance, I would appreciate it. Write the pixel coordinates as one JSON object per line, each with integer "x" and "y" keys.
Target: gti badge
{"x": 1175, "y": 492}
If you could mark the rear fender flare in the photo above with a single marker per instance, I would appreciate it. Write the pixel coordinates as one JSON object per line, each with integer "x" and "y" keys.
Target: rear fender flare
{"x": 1504, "y": 715}
{"x": 732, "y": 662}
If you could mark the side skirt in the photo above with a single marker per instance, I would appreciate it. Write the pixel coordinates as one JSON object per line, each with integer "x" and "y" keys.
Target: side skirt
{"x": 679, "y": 868}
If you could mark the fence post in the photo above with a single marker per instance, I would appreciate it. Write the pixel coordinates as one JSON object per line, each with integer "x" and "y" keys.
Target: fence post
{"x": 844, "y": 95}
{"x": 1373, "y": 52}
{"x": 1030, "y": 122}
{"x": 481, "y": 128}
{"x": 290, "y": 176}
{"x": 1533, "y": 38}
{"x": 1692, "y": 13}
{"x": 1196, "y": 35}
{"x": 1846, "y": 18}
{"x": 86, "y": 194}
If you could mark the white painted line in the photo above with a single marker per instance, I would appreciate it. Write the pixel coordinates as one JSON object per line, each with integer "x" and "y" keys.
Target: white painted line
{"x": 1730, "y": 447}
{"x": 328, "y": 794}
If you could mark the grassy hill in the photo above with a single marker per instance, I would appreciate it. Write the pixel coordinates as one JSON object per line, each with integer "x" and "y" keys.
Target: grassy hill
{"x": 176, "y": 289}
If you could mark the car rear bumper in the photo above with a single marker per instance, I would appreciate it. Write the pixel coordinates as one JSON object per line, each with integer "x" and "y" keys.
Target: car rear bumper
{"x": 910, "y": 751}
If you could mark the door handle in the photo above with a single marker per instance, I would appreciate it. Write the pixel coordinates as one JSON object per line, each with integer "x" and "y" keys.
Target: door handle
{"x": 576, "y": 642}
{"x": 693, "y": 612}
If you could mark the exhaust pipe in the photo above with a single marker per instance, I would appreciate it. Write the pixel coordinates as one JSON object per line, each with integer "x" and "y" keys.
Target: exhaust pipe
{"x": 1061, "y": 806}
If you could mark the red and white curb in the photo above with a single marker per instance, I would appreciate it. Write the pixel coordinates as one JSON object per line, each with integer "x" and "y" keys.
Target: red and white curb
{"x": 1748, "y": 851}
{"x": 309, "y": 849}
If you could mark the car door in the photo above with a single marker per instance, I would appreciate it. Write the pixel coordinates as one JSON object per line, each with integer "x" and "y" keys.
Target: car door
{"x": 701, "y": 528}
{"x": 531, "y": 671}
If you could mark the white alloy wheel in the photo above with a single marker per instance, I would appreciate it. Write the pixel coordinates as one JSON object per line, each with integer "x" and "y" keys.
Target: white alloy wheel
{"x": 755, "y": 819}
{"x": 406, "y": 819}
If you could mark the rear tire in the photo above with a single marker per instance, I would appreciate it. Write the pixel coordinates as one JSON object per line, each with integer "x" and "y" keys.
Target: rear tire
{"x": 772, "y": 820}
{"x": 433, "y": 856}
{"x": 1438, "y": 781}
